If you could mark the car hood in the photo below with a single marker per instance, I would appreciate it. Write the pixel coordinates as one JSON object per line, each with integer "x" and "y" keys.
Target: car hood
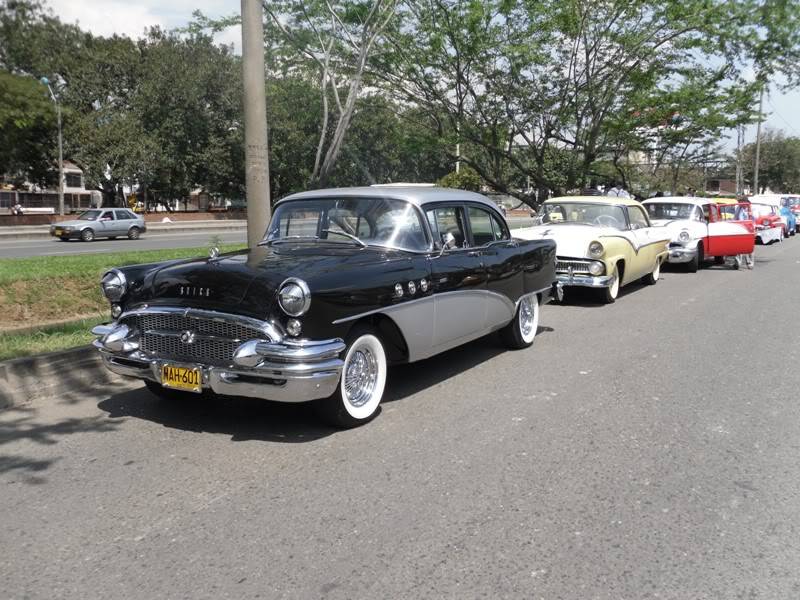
{"x": 74, "y": 223}
{"x": 572, "y": 240}
{"x": 246, "y": 282}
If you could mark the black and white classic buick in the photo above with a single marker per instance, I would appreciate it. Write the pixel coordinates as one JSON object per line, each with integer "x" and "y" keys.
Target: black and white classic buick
{"x": 345, "y": 282}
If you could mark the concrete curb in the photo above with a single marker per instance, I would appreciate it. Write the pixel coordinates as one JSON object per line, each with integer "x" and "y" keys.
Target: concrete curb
{"x": 37, "y": 233}
{"x": 67, "y": 375}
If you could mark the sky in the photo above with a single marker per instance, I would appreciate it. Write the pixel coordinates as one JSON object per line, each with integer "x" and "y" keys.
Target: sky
{"x": 107, "y": 17}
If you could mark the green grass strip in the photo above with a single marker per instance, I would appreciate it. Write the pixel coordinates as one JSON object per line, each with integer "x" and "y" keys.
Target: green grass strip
{"x": 37, "y": 267}
{"x": 48, "y": 339}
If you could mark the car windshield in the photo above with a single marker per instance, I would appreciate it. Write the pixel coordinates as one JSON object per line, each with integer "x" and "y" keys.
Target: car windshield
{"x": 372, "y": 221}
{"x": 761, "y": 210}
{"x": 589, "y": 213}
{"x": 89, "y": 215}
{"x": 669, "y": 210}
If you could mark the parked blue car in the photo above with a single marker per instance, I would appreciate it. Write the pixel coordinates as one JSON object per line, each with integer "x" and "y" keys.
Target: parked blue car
{"x": 791, "y": 219}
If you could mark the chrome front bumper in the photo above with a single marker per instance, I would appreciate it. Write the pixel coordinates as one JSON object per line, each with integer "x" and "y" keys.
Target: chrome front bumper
{"x": 284, "y": 371}
{"x": 682, "y": 254}
{"x": 571, "y": 279}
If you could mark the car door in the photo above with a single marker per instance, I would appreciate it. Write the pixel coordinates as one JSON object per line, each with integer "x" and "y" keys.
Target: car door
{"x": 731, "y": 236}
{"x": 502, "y": 262}
{"x": 124, "y": 220}
{"x": 649, "y": 243}
{"x": 458, "y": 278}
{"x": 106, "y": 224}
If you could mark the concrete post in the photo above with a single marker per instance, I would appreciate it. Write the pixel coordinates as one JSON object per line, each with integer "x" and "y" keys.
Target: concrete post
{"x": 255, "y": 122}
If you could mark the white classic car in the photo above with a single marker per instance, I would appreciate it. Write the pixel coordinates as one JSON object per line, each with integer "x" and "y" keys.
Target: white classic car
{"x": 602, "y": 242}
{"x": 699, "y": 230}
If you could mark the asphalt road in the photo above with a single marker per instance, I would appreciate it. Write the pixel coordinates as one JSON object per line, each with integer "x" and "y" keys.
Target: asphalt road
{"x": 645, "y": 449}
{"x": 160, "y": 241}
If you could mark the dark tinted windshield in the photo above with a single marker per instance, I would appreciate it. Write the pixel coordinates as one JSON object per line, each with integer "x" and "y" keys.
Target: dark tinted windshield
{"x": 374, "y": 221}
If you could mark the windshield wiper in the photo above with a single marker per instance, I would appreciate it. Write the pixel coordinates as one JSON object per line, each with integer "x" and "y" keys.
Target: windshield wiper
{"x": 287, "y": 238}
{"x": 349, "y": 236}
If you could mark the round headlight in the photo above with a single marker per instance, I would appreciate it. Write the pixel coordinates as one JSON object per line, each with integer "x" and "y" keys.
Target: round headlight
{"x": 596, "y": 249}
{"x": 114, "y": 285}
{"x": 596, "y": 268}
{"x": 684, "y": 236}
{"x": 294, "y": 297}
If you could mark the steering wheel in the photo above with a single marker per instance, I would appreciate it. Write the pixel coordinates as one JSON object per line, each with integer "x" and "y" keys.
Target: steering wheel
{"x": 607, "y": 220}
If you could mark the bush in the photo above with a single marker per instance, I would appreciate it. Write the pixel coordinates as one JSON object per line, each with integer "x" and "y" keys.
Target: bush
{"x": 466, "y": 179}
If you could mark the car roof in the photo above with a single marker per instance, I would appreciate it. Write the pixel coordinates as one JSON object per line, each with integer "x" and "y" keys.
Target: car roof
{"x": 596, "y": 200}
{"x": 680, "y": 200}
{"x": 417, "y": 195}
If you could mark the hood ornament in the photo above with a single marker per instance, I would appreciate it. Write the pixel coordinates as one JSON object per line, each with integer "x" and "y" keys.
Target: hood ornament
{"x": 213, "y": 252}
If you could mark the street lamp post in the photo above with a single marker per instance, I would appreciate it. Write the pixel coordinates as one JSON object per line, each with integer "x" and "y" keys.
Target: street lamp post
{"x": 46, "y": 82}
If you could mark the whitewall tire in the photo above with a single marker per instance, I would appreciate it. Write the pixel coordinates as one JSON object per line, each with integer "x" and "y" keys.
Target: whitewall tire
{"x": 361, "y": 386}
{"x": 521, "y": 331}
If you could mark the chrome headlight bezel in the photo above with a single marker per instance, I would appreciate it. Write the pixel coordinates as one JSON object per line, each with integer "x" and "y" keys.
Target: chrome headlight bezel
{"x": 596, "y": 268}
{"x": 114, "y": 285}
{"x": 294, "y": 297}
{"x": 596, "y": 249}
{"x": 684, "y": 237}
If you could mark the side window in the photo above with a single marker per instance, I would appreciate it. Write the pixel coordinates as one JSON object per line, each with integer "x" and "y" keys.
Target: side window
{"x": 637, "y": 217}
{"x": 697, "y": 214}
{"x": 448, "y": 219}
{"x": 480, "y": 221}
{"x": 122, "y": 215}
{"x": 499, "y": 229}
{"x": 107, "y": 216}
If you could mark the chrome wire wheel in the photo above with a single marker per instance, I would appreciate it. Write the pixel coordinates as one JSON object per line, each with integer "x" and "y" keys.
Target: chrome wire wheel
{"x": 528, "y": 318}
{"x": 363, "y": 377}
{"x": 360, "y": 377}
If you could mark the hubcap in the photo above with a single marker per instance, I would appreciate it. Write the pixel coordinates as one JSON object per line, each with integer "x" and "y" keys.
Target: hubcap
{"x": 526, "y": 317}
{"x": 360, "y": 377}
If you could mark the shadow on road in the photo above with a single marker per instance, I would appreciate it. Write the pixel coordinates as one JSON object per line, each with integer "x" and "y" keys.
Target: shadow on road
{"x": 243, "y": 419}
{"x": 22, "y": 424}
{"x": 246, "y": 419}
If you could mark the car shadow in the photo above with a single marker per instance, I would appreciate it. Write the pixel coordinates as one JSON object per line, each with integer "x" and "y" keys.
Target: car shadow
{"x": 242, "y": 419}
{"x": 586, "y": 297}
{"x": 249, "y": 419}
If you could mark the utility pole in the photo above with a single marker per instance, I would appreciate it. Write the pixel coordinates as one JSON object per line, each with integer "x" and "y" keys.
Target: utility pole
{"x": 256, "y": 154}
{"x": 46, "y": 82}
{"x": 739, "y": 170}
{"x": 758, "y": 140}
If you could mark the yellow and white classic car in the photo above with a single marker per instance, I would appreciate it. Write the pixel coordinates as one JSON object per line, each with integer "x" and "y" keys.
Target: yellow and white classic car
{"x": 602, "y": 242}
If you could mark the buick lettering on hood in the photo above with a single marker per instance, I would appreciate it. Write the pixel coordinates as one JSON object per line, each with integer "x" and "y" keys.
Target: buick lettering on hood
{"x": 344, "y": 283}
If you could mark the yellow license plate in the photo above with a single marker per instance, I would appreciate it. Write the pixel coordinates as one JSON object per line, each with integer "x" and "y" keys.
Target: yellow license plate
{"x": 181, "y": 378}
{"x": 59, "y": 231}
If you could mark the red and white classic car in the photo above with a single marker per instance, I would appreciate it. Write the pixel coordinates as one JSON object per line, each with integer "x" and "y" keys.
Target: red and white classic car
{"x": 700, "y": 230}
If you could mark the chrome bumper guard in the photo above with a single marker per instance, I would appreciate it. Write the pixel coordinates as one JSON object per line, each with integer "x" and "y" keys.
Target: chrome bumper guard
{"x": 284, "y": 370}
{"x": 570, "y": 279}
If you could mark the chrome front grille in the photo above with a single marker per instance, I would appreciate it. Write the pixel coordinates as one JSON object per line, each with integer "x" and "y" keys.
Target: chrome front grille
{"x": 183, "y": 337}
{"x": 578, "y": 266}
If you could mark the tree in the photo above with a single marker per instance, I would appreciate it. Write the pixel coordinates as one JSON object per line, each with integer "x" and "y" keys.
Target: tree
{"x": 27, "y": 130}
{"x": 780, "y": 162}
{"x": 524, "y": 86}
{"x": 337, "y": 40}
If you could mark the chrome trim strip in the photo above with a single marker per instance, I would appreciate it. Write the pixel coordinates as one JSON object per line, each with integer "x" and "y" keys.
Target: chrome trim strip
{"x": 393, "y": 307}
{"x": 585, "y": 281}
